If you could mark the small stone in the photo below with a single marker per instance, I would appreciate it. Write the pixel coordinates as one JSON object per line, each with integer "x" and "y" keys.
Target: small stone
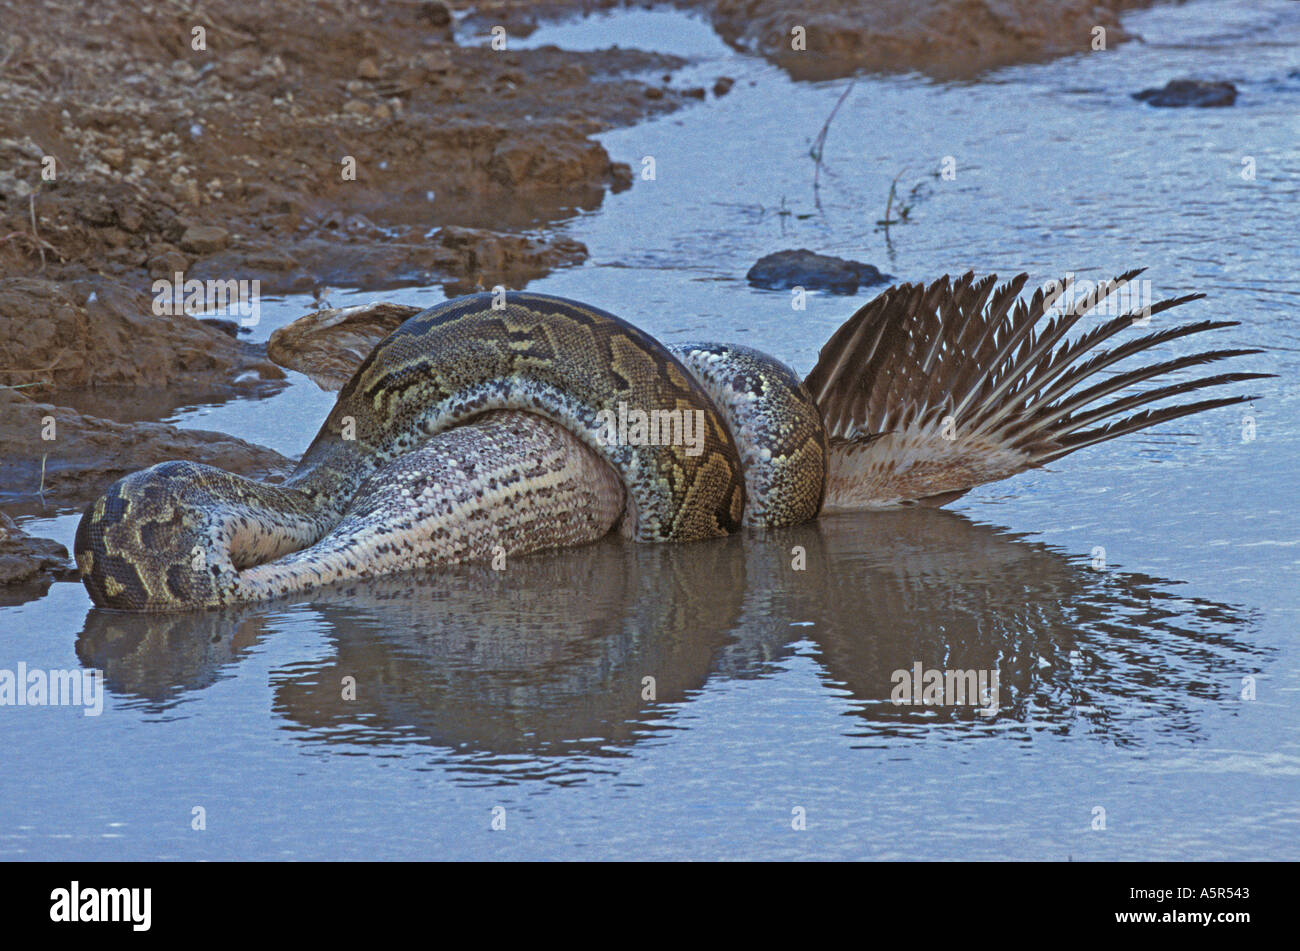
{"x": 355, "y": 107}
{"x": 130, "y": 219}
{"x": 166, "y": 263}
{"x": 1179, "y": 93}
{"x": 204, "y": 239}
{"x": 723, "y": 85}
{"x": 653, "y": 92}
{"x": 803, "y": 268}
{"x": 366, "y": 69}
{"x": 115, "y": 158}
{"x": 436, "y": 12}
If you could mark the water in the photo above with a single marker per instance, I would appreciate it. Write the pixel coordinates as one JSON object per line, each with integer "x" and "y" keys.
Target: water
{"x": 1120, "y": 685}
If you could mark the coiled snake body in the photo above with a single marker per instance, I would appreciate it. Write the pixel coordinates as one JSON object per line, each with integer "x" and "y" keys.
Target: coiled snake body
{"x": 397, "y": 479}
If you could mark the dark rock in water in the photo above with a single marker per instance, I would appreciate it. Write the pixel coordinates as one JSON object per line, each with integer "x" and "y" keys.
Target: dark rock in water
{"x": 1189, "y": 92}
{"x": 228, "y": 327}
{"x": 804, "y": 268}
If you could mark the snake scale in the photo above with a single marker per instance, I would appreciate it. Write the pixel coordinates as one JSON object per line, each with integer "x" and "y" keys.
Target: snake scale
{"x": 478, "y": 426}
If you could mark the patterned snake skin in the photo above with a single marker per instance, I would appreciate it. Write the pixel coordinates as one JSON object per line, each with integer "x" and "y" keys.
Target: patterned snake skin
{"x": 473, "y": 431}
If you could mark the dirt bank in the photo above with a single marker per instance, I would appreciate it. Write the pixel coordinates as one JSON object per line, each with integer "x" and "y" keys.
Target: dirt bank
{"x": 942, "y": 38}
{"x": 304, "y": 134}
{"x": 66, "y": 458}
{"x": 96, "y": 332}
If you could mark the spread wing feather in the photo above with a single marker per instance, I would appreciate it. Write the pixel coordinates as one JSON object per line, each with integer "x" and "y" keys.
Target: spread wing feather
{"x": 930, "y": 391}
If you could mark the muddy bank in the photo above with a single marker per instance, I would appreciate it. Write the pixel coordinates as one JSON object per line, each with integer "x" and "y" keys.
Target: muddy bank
{"x": 282, "y": 142}
{"x": 941, "y": 38}
{"x": 97, "y": 332}
{"x": 301, "y": 134}
{"x": 66, "y": 458}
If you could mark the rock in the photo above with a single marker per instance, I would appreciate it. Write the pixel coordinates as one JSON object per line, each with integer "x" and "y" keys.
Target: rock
{"x": 270, "y": 258}
{"x": 97, "y": 332}
{"x": 166, "y": 261}
{"x": 723, "y": 85}
{"x": 355, "y": 107}
{"x": 24, "y": 558}
{"x": 653, "y": 92}
{"x": 366, "y": 69}
{"x": 204, "y": 239}
{"x": 488, "y": 258}
{"x": 130, "y": 219}
{"x": 804, "y": 268}
{"x": 228, "y": 327}
{"x": 115, "y": 158}
{"x": 436, "y": 12}
{"x": 538, "y": 163}
{"x": 328, "y": 345}
{"x": 87, "y": 453}
{"x": 1178, "y": 93}
{"x": 694, "y": 92}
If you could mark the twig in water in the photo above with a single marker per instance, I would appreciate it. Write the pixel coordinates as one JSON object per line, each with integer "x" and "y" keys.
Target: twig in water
{"x": 818, "y": 148}
{"x": 889, "y": 204}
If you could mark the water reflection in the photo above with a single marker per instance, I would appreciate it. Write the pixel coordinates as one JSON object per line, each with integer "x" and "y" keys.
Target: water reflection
{"x": 550, "y": 658}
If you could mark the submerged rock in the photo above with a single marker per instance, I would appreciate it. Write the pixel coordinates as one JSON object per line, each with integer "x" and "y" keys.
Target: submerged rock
{"x": 807, "y": 269}
{"x": 1189, "y": 92}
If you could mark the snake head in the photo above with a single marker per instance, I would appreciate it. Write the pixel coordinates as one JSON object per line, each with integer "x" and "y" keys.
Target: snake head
{"x": 139, "y": 546}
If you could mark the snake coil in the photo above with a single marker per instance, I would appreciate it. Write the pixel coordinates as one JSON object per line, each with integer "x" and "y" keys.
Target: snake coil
{"x": 433, "y": 453}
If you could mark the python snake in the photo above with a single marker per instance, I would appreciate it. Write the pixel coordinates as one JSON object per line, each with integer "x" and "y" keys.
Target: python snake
{"x": 437, "y": 451}
{"x": 486, "y": 426}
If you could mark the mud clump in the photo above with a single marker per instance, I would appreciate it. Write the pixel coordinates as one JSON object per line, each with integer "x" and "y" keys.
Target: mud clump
{"x": 28, "y": 565}
{"x": 96, "y": 331}
{"x": 66, "y": 458}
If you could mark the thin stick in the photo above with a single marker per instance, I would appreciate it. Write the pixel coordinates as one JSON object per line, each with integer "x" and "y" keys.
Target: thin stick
{"x": 889, "y": 203}
{"x": 36, "y": 234}
{"x": 818, "y": 148}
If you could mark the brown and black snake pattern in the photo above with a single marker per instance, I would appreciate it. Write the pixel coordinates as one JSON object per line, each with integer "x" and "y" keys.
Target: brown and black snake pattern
{"x": 180, "y": 535}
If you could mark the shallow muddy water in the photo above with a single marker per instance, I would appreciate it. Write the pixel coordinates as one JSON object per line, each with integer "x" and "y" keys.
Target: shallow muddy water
{"x": 1120, "y": 673}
